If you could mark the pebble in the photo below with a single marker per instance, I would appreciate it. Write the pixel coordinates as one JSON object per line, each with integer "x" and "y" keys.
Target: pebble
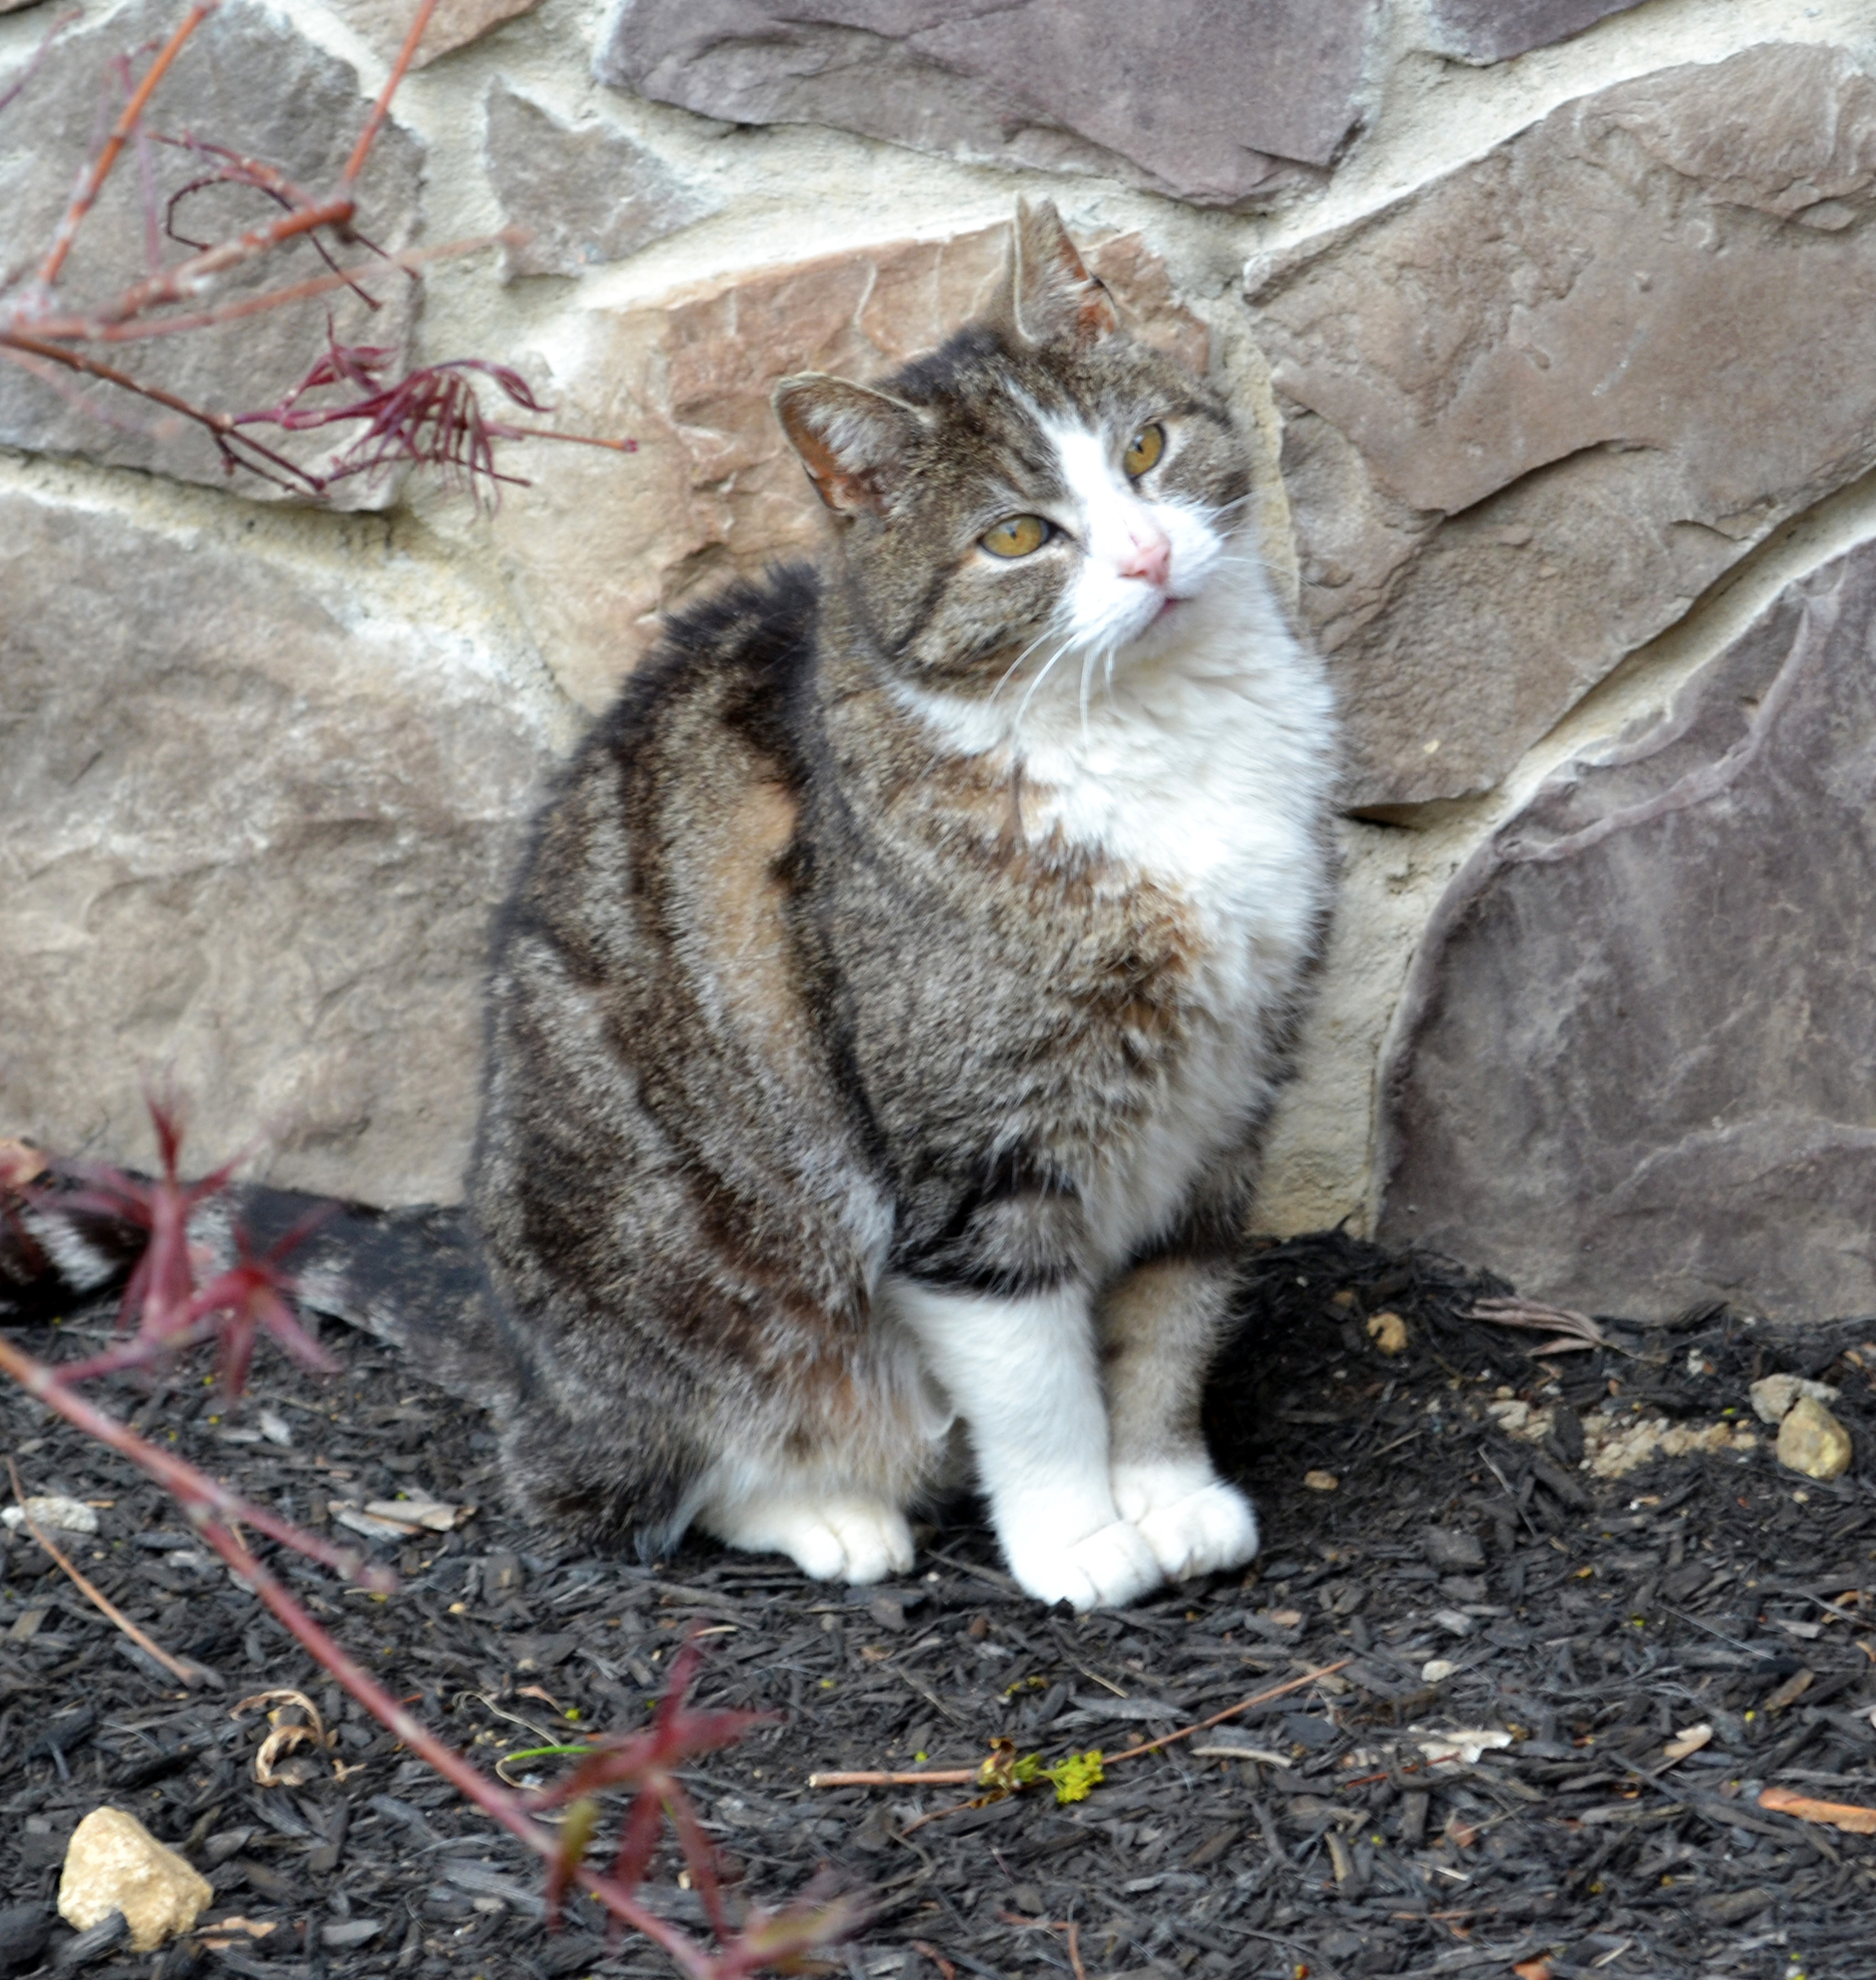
{"x": 53, "y": 1512}
{"x": 1813, "y": 1442}
{"x": 1322, "y": 1481}
{"x": 1388, "y": 1332}
{"x": 1773, "y": 1394}
{"x": 115, "y": 1863}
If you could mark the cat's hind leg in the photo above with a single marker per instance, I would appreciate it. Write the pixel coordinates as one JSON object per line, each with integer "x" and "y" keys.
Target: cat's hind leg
{"x": 1023, "y": 1372}
{"x": 1160, "y": 1326}
{"x": 832, "y": 1536}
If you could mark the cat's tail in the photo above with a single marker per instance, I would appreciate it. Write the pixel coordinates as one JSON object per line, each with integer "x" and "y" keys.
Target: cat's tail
{"x": 409, "y": 1276}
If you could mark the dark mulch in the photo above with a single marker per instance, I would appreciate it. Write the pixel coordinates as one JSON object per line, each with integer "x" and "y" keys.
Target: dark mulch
{"x": 1590, "y": 1619}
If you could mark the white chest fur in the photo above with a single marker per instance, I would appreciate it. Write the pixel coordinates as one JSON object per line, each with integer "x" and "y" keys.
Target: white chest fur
{"x": 1205, "y": 764}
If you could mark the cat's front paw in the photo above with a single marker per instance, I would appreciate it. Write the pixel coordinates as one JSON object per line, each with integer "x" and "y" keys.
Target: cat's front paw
{"x": 1195, "y": 1523}
{"x": 830, "y": 1539}
{"x": 1113, "y": 1566}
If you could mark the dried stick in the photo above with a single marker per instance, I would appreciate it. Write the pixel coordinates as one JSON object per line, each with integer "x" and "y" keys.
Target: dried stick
{"x": 1230, "y": 1712}
{"x": 963, "y": 1776}
{"x": 187, "y": 1673}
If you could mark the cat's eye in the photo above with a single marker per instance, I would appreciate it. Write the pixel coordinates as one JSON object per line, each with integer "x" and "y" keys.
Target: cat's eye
{"x": 1143, "y": 450}
{"x": 1016, "y": 536}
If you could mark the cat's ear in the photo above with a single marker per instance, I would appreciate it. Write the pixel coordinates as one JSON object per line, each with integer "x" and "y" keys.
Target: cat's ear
{"x": 1052, "y": 298}
{"x": 856, "y": 445}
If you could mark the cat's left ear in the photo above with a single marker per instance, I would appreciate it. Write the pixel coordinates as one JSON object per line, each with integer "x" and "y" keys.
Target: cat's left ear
{"x": 856, "y": 445}
{"x": 1052, "y": 298}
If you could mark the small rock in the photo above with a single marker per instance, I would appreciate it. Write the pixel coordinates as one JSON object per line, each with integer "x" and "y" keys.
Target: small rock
{"x": 54, "y": 1512}
{"x": 1812, "y": 1440}
{"x": 1448, "y": 1547}
{"x": 1773, "y": 1394}
{"x": 1322, "y": 1481}
{"x": 1691, "y": 1740}
{"x": 1453, "y": 1622}
{"x": 115, "y": 1863}
{"x": 1388, "y": 1332}
{"x": 1436, "y": 1670}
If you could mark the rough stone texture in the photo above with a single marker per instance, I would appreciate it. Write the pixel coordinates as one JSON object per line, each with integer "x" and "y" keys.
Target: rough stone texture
{"x": 602, "y": 543}
{"x": 1221, "y": 106}
{"x": 383, "y": 23}
{"x": 582, "y": 196}
{"x": 254, "y": 822}
{"x": 115, "y": 1863}
{"x": 1635, "y": 1066}
{"x": 1490, "y": 30}
{"x": 1538, "y": 406}
{"x": 249, "y": 81}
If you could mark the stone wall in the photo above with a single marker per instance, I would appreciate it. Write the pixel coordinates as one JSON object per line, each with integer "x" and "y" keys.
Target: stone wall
{"x": 1552, "y": 318}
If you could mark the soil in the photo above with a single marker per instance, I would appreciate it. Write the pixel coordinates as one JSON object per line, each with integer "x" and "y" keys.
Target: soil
{"x": 1460, "y": 1576}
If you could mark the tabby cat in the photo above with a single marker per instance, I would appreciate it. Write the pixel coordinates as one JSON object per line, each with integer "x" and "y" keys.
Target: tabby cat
{"x": 887, "y": 1015}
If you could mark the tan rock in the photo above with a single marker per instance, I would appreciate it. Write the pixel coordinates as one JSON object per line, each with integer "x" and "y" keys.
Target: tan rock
{"x": 1538, "y": 405}
{"x": 255, "y": 817}
{"x": 1773, "y": 1394}
{"x": 1812, "y": 1440}
{"x": 383, "y": 23}
{"x": 115, "y": 1863}
{"x": 600, "y": 544}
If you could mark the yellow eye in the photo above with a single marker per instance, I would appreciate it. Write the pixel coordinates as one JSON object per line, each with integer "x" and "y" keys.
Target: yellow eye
{"x": 1143, "y": 450}
{"x": 1016, "y": 536}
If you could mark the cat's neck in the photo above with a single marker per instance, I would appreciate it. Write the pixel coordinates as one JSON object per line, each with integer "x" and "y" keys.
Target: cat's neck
{"x": 1062, "y": 711}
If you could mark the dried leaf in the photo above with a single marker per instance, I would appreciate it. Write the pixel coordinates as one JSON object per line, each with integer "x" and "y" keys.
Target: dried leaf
{"x": 1845, "y": 1815}
{"x": 1463, "y": 1743}
{"x": 1576, "y": 1331}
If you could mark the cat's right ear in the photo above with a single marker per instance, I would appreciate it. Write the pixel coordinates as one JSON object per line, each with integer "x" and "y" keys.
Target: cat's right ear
{"x": 856, "y": 445}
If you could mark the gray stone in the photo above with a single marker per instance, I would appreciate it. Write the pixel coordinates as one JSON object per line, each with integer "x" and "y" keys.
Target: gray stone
{"x": 1220, "y": 107}
{"x": 581, "y": 196}
{"x": 1536, "y": 408}
{"x": 1635, "y": 1066}
{"x": 255, "y": 818}
{"x": 1490, "y": 30}
{"x": 252, "y": 82}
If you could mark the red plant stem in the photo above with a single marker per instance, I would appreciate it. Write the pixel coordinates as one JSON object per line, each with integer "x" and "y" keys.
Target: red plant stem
{"x": 494, "y": 1803}
{"x": 195, "y": 1490}
{"x": 97, "y": 330}
{"x": 92, "y": 182}
{"x": 381, "y": 109}
{"x": 216, "y": 1512}
{"x": 173, "y": 284}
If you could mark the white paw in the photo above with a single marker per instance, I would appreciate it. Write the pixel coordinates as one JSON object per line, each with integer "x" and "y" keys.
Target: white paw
{"x": 1113, "y": 1566}
{"x": 1208, "y": 1530}
{"x": 830, "y": 1540}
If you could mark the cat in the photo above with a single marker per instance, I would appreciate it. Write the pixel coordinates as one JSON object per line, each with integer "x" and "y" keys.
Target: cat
{"x": 889, "y": 1009}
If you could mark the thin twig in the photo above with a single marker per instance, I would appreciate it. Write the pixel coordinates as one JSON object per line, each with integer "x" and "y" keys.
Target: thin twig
{"x": 92, "y": 182}
{"x": 187, "y": 1673}
{"x": 1230, "y": 1712}
{"x": 382, "y": 108}
{"x": 932, "y": 1776}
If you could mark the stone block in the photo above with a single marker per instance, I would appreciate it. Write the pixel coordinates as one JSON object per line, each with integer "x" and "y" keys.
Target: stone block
{"x": 581, "y": 195}
{"x": 602, "y": 544}
{"x": 1635, "y": 1065}
{"x": 247, "y": 80}
{"x": 255, "y": 817}
{"x": 1223, "y": 106}
{"x": 1538, "y": 405}
{"x": 383, "y": 23}
{"x": 1493, "y": 30}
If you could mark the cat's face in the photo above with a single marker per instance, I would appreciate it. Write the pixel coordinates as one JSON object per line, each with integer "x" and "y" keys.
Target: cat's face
{"x": 1043, "y": 487}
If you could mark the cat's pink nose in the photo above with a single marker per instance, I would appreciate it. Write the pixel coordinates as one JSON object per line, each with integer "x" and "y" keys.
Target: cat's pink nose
{"x": 1150, "y": 558}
